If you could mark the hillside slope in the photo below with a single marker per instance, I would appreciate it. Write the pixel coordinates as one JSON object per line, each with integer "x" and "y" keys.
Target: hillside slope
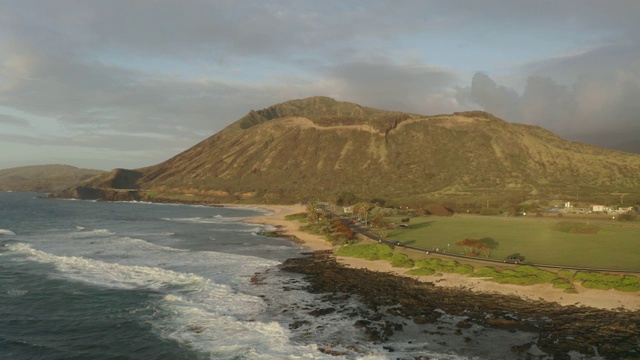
{"x": 43, "y": 178}
{"x": 318, "y": 147}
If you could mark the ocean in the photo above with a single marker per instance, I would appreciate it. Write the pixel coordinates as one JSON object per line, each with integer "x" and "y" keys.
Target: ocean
{"x": 118, "y": 280}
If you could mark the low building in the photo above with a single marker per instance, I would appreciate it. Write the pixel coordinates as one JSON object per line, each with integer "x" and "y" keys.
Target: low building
{"x": 622, "y": 210}
{"x": 599, "y": 208}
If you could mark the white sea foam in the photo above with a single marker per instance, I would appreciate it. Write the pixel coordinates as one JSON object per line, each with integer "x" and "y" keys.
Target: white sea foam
{"x": 90, "y": 233}
{"x": 200, "y": 220}
{"x": 127, "y": 251}
{"x": 264, "y": 212}
{"x": 108, "y": 274}
{"x": 212, "y": 317}
{"x": 16, "y": 292}
{"x": 219, "y": 298}
{"x": 6, "y": 232}
{"x": 224, "y": 337}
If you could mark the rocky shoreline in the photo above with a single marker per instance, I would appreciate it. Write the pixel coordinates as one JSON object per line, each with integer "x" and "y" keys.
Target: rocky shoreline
{"x": 561, "y": 329}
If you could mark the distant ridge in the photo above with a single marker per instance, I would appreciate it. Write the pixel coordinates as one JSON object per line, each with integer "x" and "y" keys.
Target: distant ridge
{"x": 43, "y": 178}
{"x": 317, "y": 148}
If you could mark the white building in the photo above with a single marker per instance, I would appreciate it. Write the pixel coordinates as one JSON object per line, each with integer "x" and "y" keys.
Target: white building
{"x": 599, "y": 208}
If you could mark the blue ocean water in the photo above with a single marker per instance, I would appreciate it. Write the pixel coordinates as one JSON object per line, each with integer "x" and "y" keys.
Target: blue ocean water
{"x": 117, "y": 280}
{"x": 98, "y": 280}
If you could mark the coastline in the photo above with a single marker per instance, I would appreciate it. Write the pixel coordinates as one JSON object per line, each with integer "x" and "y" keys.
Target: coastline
{"x": 600, "y": 299}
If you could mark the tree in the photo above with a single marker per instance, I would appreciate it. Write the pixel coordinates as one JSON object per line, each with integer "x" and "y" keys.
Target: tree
{"x": 379, "y": 221}
{"x": 381, "y": 211}
{"x": 341, "y": 231}
{"x": 361, "y": 209}
{"x": 628, "y": 216}
{"x": 378, "y": 202}
{"x": 469, "y": 246}
{"x": 380, "y": 224}
{"x": 486, "y": 245}
{"x": 482, "y": 248}
{"x": 345, "y": 198}
{"x": 474, "y": 247}
{"x": 312, "y": 213}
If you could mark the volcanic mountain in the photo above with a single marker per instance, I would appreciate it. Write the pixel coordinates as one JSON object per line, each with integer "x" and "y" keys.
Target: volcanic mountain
{"x": 318, "y": 148}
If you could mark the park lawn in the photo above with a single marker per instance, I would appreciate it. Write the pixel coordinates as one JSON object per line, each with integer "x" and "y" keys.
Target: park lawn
{"x": 615, "y": 246}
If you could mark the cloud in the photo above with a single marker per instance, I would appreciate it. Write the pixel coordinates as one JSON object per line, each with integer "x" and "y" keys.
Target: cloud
{"x": 13, "y": 120}
{"x": 121, "y": 75}
{"x": 605, "y": 61}
{"x": 485, "y": 92}
{"x": 602, "y": 110}
{"x": 411, "y": 88}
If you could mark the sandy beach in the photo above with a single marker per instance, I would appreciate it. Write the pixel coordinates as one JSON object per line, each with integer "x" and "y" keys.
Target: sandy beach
{"x": 601, "y": 299}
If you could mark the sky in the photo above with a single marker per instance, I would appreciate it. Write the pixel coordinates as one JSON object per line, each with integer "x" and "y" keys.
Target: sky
{"x": 126, "y": 84}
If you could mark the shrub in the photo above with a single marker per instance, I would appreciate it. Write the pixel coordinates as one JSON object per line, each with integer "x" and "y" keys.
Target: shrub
{"x": 628, "y": 216}
{"x": 437, "y": 210}
{"x": 342, "y": 241}
{"x": 628, "y": 283}
{"x": 595, "y": 285}
{"x": 299, "y": 216}
{"x": 421, "y": 271}
{"x": 445, "y": 266}
{"x": 489, "y": 211}
{"x": 565, "y": 284}
{"x": 464, "y": 269}
{"x": 486, "y": 272}
{"x": 401, "y": 260}
{"x": 366, "y": 251}
{"x": 576, "y": 227}
{"x": 605, "y": 281}
{"x": 521, "y": 275}
{"x": 567, "y": 274}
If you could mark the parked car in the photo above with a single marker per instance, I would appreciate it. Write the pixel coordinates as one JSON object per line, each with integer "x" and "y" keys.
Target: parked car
{"x": 514, "y": 259}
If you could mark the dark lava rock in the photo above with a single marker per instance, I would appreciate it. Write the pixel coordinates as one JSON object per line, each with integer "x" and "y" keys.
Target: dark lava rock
{"x": 362, "y": 323}
{"x": 297, "y": 324}
{"x": 463, "y": 325}
{"x": 321, "y": 312}
{"x": 615, "y": 334}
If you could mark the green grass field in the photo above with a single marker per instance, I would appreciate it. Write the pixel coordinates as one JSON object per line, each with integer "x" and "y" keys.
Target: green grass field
{"x": 539, "y": 240}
